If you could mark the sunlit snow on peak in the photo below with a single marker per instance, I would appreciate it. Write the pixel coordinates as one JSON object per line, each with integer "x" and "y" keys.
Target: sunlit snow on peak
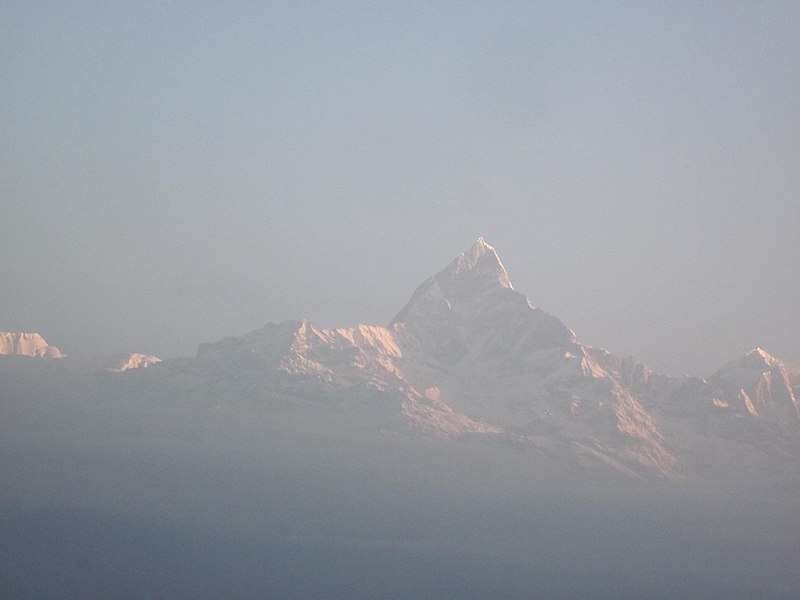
{"x": 480, "y": 258}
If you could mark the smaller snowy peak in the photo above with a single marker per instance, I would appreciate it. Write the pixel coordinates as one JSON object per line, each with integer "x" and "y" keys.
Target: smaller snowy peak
{"x": 747, "y": 369}
{"x": 27, "y": 344}
{"x": 134, "y": 360}
{"x": 113, "y": 363}
{"x": 759, "y": 384}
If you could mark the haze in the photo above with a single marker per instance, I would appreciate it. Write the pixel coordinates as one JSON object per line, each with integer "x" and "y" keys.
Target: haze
{"x": 171, "y": 174}
{"x": 118, "y": 485}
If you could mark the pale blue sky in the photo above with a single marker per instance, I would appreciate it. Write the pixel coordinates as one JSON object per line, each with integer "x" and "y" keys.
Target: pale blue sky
{"x": 171, "y": 173}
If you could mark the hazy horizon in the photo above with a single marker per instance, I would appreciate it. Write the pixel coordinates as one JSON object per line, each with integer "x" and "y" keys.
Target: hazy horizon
{"x": 173, "y": 174}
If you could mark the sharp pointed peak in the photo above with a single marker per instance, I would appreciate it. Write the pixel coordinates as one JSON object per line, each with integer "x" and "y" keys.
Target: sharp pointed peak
{"x": 479, "y": 256}
{"x": 480, "y": 246}
{"x": 760, "y": 355}
{"x": 475, "y": 274}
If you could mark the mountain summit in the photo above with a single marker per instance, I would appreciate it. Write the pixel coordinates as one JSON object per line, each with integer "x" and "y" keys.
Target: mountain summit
{"x": 476, "y": 270}
{"x": 470, "y": 278}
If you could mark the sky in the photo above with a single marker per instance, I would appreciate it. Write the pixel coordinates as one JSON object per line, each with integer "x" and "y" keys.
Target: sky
{"x": 172, "y": 173}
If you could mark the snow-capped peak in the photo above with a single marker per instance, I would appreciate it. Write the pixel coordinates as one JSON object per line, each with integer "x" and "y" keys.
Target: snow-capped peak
{"x": 759, "y": 384}
{"x": 479, "y": 260}
{"x": 27, "y": 344}
{"x": 473, "y": 276}
{"x": 748, "y": 367}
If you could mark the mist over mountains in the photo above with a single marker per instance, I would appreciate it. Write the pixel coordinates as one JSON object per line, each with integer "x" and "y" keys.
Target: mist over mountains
{"x": 474, "y": 426}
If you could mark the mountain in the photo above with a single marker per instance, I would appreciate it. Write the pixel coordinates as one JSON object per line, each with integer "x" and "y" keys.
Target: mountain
{"x": 469, "y": 357}
{"x": 27, "y": 344}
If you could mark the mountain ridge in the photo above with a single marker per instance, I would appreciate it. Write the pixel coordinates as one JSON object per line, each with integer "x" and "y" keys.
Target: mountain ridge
{"x": 468, "y": 357}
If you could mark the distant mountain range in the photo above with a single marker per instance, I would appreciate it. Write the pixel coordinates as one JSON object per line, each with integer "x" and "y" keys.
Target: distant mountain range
{"x": 470, "y": 358}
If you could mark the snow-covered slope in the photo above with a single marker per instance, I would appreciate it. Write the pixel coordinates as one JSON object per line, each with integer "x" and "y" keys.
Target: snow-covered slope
{"x": 27, "y": 344}
{"x": 354, "y": 367}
